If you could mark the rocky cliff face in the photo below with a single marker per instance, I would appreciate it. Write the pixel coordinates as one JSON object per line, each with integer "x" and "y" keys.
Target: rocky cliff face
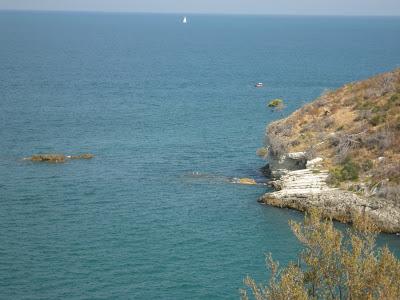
{"x": 306, "y": 188}
{"x": 333, "y": 139}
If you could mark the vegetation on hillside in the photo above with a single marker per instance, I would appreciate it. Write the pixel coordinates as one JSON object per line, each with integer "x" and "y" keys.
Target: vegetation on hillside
{"x": 356, "y": 129}
{"x": 332, "y": 265}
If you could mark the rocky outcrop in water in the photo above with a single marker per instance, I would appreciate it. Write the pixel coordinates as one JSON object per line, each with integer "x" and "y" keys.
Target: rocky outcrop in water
{"x": 57, "y": 158}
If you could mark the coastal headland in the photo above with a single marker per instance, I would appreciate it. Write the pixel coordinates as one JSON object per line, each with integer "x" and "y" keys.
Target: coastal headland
{"x": 341, "y": 154}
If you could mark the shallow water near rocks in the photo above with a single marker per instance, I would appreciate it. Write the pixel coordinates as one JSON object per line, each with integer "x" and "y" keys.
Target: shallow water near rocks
{"x": 155, "y": 100}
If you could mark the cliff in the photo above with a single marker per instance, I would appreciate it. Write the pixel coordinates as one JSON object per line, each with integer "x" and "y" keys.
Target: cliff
{"x": 341, "y": 153}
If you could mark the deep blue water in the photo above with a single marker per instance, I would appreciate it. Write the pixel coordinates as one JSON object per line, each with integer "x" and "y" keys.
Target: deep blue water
{"x": 155, "y": 100}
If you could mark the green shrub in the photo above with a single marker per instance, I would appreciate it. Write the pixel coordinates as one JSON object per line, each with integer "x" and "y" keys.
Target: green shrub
{"x": 366, "y": 105}
{"x": 376, "y": 109}
{"x": 377, "y": 119}
{"x": 348, "y": 171}
{"x": 333, "y": 265}
{"x": 335, "y": 176}
{"x": 340, "y": 128}
{"x": 394, "y": 99}
{"x": 367, "y": 165}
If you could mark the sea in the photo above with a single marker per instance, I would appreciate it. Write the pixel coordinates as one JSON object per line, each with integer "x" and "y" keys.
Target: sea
{"x": 171, "y": 114}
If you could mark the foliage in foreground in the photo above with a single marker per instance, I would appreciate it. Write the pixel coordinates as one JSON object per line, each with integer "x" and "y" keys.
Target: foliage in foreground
{"x": 332, "y": 265}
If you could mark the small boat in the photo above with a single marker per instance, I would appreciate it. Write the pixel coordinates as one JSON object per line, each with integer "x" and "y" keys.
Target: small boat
{"x": 259, "y": 84}
{"x": 184, "y": 21}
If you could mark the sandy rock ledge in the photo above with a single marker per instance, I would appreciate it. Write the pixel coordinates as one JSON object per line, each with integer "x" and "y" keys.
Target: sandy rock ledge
{"x": 302, "y": 189}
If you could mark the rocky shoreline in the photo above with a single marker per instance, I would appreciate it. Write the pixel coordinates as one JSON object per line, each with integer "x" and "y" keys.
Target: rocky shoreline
{"x": 301, "y": 184}
{"x": 340, "y": 153}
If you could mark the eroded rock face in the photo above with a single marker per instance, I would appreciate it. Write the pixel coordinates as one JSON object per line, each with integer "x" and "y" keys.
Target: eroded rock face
{"x": 279, "y": 165}
{"x": 303, "y": 189}
{"x": 339, "y": 205}
{"x": 57, "y": 158}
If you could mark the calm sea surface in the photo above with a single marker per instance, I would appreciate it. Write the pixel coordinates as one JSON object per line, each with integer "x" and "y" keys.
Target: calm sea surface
{"x": 155, "y": 101}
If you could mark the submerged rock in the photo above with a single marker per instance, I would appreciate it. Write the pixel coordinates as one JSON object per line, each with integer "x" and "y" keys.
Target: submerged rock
{"x": 57, "y": 158}
{"x": 83, "y": 156}
{"x": 248, "y": 181}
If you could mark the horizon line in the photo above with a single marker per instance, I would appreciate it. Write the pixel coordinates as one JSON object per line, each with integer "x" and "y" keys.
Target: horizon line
{"x": 190, "y": 13}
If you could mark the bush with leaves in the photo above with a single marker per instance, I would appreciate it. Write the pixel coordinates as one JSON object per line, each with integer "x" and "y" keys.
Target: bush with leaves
{"x": 348, "y": 171}
{"x": 332, "y": 265}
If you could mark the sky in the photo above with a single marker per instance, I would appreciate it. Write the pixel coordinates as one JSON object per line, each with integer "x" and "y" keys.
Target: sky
{"x": 268, "y": 7}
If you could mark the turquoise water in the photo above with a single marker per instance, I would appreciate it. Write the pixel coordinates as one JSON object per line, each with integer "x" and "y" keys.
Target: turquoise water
{"x": 155, "y": 101}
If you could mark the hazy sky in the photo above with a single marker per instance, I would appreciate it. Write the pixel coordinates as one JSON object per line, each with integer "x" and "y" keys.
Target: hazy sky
{"x": 308, "y": 7}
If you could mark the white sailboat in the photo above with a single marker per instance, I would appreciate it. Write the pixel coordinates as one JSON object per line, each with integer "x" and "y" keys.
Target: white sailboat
{"x": 184, "y": 21}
